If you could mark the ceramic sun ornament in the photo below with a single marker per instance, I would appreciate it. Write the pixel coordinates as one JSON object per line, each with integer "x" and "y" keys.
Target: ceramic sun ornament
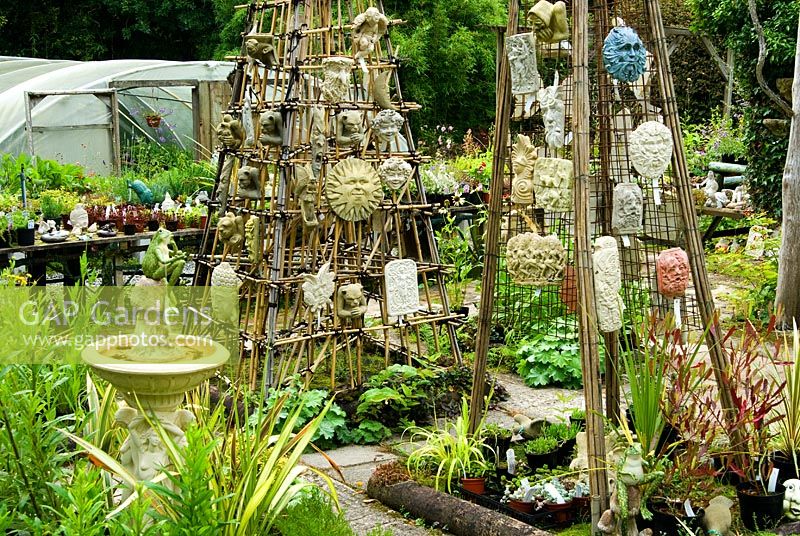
{"x": 395, "y": 172}
{"x": 318, "y": 290}
{"x": 552, "y": 182}
{"x": 523, "y": 160}
{"x": 402, "y": 288}
{"x": 336, "y": 82}
{"x": 522, "y": 63}
{"x": 535, "y": 260}
{"x": 607, "y": 284}
{"x": 353, "y": 189}
{"x": 624, "y": 54}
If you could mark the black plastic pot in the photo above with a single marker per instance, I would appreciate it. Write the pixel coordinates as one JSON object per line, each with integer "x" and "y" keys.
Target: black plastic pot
{"x": 171, "y": 225}
{"x": 665, "y": 522}
{"x": 129, "y": 229}
{"x": 5, "y": 240}
{"x": 565, "y": 450}
{"x": 535, "y": 461}
{"x": 496, "y": 447}
{"x": 760, "y": 512}
{"x": 785, "y": 464}
{"x": 152, "y": 225}
{"x": 26, "y": 237}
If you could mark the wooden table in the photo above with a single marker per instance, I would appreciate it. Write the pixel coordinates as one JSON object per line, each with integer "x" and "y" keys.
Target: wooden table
{"x": 717, "y": 214}
{"x": 38, "y": 255}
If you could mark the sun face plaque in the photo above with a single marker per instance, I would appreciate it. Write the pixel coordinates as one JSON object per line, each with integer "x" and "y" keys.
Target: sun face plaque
{"x": 402, "y": 289}
{"x": 353, "y": 189}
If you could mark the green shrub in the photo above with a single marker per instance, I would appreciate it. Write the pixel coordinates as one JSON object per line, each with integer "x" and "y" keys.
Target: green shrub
{"x": 313, "y": 515}
{"x": 541, "y": 445}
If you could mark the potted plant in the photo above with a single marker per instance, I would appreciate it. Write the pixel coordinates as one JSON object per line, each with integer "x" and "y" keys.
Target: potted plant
{"x": 787, "y": 456}
{"x": 171, "y": 219}
{"x": 498, "y": 441}
{"x": 565, "y": 435}
{"x": 541, "y": 452}
{"x": 558, "y": 501}
{"x": 450, "y": 451}
{"x": 578, "y": 416}
{"x": 520, "y": 495}
{"x": 755, "y": 396}
{"x": 23, "y": 225}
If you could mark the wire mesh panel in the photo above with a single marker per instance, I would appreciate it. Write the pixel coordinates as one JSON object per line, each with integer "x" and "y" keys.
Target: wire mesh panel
{"x": 318, "y": 190}
{"x": 618, "y": 109}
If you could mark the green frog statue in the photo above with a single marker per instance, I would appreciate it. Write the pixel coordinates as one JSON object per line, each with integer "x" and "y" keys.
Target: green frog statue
{"x": 628, "y": 498}
{"x": 163, "y": 259}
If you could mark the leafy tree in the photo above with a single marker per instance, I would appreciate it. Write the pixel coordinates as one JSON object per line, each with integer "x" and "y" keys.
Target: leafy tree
{"x": 448, "y": 52}
{"x": 729, "y": 22}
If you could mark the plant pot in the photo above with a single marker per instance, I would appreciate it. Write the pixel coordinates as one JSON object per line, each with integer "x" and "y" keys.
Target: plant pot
{"x": 26, "y": 237}
{"x": 5, "y": 240}
{"x": 203, "y": 221}
{"x": 496, "y": 447}
{"x": 583, "y": 507}
{"x": 486, "y": 197}
{"x": 171, "y": 225}
{"x": 667, "y": 519}
{"x": 474, "y": 485}
{"x": 565, "y": 450}
{"x": 580, "y": 422}
{"x": 521, "y": 506}
{"x": 501, "y": 471}
{"x": 153, "y": 121}
{"x": 462, "y": 311}
{"x": 785, "y": 465}
{"x": 760, "y": 512}
{"x": 152, "y": 225}
{"x": 65, "y": 222}
{"x": 181, "y": 225}
{"x": 535, "y": 461}
{"x": 562, "y": 513}
{"x": 129, "y": 229}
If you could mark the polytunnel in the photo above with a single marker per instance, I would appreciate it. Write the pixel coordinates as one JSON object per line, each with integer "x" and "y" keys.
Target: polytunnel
{"x": 78, "y": 112}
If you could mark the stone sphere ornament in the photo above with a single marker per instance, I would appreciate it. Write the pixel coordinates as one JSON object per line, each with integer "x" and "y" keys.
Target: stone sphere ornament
{"x": 628, "y": 209}
{"x": 672, "y": 272}
{"x": 353, "y": 189}
{"x": 607, "y": 284}
{"x": 650, "y": 149}
{"x": 624, "y": 54}
{"x": 395, "y": 172}
{"x": 535, "y": 260}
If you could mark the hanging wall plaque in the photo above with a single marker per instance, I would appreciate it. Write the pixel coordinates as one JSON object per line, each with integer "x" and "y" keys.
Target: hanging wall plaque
{"x": 523, "y": 161}
{"x": 624, "y": 55}
{"x": 522, "y": 63}
{"x": 672, "y": 272}
{"x": 402, "y": 288}
{"x": 353, "y": 189}
{"x": 552, "y": 182}
{"x": 395, "y": 172}
{"x": 535, "y": 260}
{"x": 336, "y": 83}
{"x": 650, "y": 147}
{"x": 607, "y": 284}
{"x": 626, "y": 215}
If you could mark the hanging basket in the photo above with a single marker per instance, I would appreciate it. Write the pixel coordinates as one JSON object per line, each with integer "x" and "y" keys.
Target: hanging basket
{"x": 153, "y": 120}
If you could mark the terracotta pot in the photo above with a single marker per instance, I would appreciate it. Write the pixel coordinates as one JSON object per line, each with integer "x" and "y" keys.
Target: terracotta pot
{"x": 153, "y": 121}
{"x": 562, "y": 513}
{"x": 474, "y": 485}
{"x": 521, "y": 506}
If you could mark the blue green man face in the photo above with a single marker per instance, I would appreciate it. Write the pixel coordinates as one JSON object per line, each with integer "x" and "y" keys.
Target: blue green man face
{"x": 624, "y": 54}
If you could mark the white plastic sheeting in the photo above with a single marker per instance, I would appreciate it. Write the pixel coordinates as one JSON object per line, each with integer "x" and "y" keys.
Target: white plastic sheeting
{"x": 18, "y": 75}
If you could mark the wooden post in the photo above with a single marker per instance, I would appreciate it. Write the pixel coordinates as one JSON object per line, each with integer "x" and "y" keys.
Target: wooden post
{"x": 726, "y": 106}
{"x": 590, "y": 358}
{"x": 492, "y": 244}
{"x": 683, "y": 187}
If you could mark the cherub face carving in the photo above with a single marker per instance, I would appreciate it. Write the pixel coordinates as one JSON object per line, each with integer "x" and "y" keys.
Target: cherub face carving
{"x": 353, "y": 189}
{"x": 624, "y": 55}
{"x": 395, "y": 172}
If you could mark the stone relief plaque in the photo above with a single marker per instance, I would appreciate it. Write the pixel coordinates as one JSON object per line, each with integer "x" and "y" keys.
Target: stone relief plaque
{"x": 607, "y": 284}
{"x": 336, "y": 83}
{"x": 395, "y": 172}
{"x": 368, "y": 28}
{"x": 349, "y": 128}
{"x": 549, "y": 21}
{"x": 552, "y": 182}
{"x": 535, "y": 260}
{"x": 521, "y": 54}
{"x": 271, "y": 128}
{"x": 385, "y": 126}
{"x": 553, "y": 115}
{"x": 402, "y": 288}
{"x": 523, "y": 160}
{"x": 627, "y": 211}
